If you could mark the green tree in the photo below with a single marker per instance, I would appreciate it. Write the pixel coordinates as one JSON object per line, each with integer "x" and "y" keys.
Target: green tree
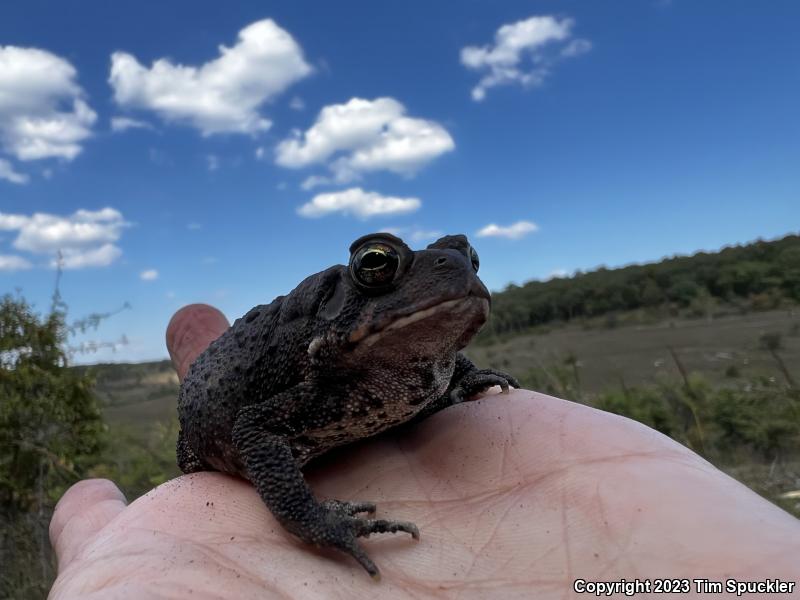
{"x": 51, "y": 432}
{"x": 652, "y": 294}
{"x": 683, "y": 291}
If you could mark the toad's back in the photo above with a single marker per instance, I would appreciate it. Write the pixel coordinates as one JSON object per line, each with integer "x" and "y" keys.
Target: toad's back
{"x": 262, "y": 354}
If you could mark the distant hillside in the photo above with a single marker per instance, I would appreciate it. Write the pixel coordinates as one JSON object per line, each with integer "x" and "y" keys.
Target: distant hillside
{"x": 758, "y": 276}
{"x": 136, "y": 395}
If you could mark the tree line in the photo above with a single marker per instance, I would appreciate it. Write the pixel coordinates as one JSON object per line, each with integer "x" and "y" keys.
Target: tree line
{"x": 758, "y": 276}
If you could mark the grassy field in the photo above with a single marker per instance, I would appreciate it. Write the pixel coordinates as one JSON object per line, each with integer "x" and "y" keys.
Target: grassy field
{"x": 639, "y": 354}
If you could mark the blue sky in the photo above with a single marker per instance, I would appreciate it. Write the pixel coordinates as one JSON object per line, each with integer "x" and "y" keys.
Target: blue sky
{"x": 587, "y": 133}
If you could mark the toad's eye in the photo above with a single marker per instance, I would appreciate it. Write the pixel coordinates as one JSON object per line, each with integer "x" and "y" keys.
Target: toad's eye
{"x": 374, "y": 265}
{"x": 473, "y": 257}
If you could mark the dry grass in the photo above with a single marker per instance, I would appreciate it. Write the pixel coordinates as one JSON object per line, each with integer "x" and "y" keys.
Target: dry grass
{"x": 639, "y": 354}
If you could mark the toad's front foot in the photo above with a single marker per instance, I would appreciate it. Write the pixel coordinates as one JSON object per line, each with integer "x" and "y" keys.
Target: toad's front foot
{"x": 340, "y": 529}
{"x": 481, "y": 380}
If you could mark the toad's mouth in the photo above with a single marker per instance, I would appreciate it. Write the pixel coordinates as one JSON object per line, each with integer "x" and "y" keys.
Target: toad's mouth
{"x": 465, "y": 315}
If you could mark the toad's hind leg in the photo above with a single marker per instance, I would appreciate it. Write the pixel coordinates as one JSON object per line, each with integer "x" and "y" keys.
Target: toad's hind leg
{"x": 188, "y": 461}
{"x": 272, "y": 469}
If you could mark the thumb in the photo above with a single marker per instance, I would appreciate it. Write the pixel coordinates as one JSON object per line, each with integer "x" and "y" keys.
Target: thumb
{"x": 190, "y": 331}
{"x": 82, "y": 512}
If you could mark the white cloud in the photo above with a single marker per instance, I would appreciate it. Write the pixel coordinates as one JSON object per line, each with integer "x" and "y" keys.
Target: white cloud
{"x": 8, "y": 173}
{"x": 84, "y": 239}
{"x": 519, "y": 55}
{"x": 297, "y": 103}
{"x": 576, "y": 48}
{"x": 415, "y": 234}
{"x": 43, "y": 113}
{"x": 359, "y": 203}
{"x": 48, "y": 233}
{"x": 11, "y": 222}
{"x": 512, "y": 232}
{"x": 77, "y": 258}
{"x": 312, "y": 181}
{"x": 212, "y": 162}
{"x": 222, "y": 95}
{"x": 193, "y": 226}
{"x": 558, "y": 274}
{"x": 361, "y": 136}
{"x": 425, "y": 235}
{"x": 120, "y": 124}
{"x": 12, "y": 262}
{"x": 148, "y": 275}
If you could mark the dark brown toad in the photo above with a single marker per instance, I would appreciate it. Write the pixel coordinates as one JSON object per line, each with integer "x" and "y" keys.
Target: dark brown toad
{"x": 350, "y": 352}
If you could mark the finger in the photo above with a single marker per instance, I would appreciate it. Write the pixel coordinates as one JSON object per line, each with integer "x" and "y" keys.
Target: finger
{"x": 190, "y": 331}
{"x": 83, "y": 510}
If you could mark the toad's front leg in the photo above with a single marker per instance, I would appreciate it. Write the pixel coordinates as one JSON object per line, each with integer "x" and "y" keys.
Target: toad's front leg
{"x": 274, "y": 472}
{"x": 467, "y": 381}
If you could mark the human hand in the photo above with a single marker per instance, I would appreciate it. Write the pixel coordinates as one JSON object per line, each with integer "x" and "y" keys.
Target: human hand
{"x": 515, "y": 495}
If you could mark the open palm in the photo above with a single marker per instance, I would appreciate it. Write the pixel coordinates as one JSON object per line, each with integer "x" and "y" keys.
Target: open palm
{"x": 515, "y": 495}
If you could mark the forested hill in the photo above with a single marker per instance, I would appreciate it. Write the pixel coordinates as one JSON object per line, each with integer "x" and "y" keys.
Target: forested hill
{"x": 756, "y": 276}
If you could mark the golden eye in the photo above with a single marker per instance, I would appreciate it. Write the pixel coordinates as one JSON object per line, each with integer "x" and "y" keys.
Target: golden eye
{"x": 374, "y": 265}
